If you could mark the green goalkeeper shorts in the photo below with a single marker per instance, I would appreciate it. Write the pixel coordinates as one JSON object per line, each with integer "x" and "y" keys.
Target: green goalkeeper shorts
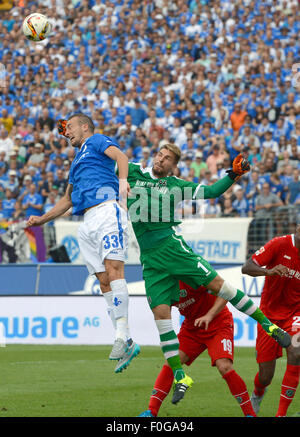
{"x": 165, "y": 265}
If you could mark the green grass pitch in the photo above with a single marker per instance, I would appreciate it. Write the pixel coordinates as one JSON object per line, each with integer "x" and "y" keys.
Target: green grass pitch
{"x": 79, "y": 381}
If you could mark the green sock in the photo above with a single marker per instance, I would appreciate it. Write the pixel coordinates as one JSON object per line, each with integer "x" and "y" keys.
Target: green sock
{"x": 244, "y": 304}
{"x": 170, "y": 346}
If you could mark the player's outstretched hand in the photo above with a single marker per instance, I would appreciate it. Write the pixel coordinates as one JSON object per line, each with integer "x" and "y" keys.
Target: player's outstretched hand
{"x": 277, "y": 270}
{"x": 204, "y": 320}
{"x": 240, "y": 166}
{"x": 34, "y": 220}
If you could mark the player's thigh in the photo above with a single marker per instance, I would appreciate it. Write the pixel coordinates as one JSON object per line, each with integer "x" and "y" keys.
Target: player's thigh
{"x": 186, "y": 265}
{"x": 221, "y": 345}
{"x": 191, "y": 345}
{"x": 107, "y": 228}
{"x": 89, "y": 250}
{"x": 161, "y": 288}
{"x": 113, "y": 232}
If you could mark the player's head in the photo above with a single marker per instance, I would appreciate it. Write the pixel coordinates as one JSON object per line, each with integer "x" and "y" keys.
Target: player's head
{"x": 166, "y": 160}
{"x": 78, "y": 128}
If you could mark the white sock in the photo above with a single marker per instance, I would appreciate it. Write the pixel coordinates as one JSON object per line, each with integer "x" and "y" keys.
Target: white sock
{"x": 110, "y": 310}
{"x": 120, "y": 301}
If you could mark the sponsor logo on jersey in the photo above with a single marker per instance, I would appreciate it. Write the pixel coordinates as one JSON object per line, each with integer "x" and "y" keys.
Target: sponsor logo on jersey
{"x": 287, "y": 257}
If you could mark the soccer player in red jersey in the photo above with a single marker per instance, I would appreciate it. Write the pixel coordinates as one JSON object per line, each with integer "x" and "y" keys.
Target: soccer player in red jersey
{"x": 208, "y": 324}
{"x": 279, "y": 261}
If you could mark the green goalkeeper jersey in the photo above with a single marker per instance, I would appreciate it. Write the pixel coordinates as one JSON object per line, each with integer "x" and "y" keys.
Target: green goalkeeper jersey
{"x": 152, "y": 201}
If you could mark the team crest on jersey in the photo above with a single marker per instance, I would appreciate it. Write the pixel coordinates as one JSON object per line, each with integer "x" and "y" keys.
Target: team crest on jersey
{"x": 162, "y": 183}
{"x": 183, "y": 293}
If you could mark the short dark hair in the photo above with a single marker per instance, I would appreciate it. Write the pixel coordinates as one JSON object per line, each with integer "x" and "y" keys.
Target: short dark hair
{"x": 84, "y": 119}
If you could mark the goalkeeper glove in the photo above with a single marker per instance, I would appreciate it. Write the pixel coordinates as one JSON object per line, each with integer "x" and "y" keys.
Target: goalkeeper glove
{"x": 240, "y": 166}
{"x": 61, "y": 126}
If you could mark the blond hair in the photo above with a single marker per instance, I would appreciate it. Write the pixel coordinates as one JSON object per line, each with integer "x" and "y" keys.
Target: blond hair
{"x": 173, "y": 148}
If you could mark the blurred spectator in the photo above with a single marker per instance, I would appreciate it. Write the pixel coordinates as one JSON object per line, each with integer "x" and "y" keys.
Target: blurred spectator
{"x": 293, "y": 188}
{"x": 247, "y": 138}
{"x": 211, "y": 209}
{"x": 198, "y": 165}
{"x": 237, "y": 117}
{"x": 25, "y": 189}
{"x": 228, "y": 210}
{"x": 265, "y": 205}
{"x": 12, "y": 182}
{"x": 138, "y": 114}
{"x": 8, "y": 204}
{"x": 37, "y": 156}
{"x": 6, "y": 120}
{"x": 6, "y": 143}
{"x": 32, "y": 202}
{"x": 61, "y": 182}
{"x": 269, "y": 144}
{"x": 241, "y": 204}
{"x": 18, "y": 213}
{"x": 213, "y": 159}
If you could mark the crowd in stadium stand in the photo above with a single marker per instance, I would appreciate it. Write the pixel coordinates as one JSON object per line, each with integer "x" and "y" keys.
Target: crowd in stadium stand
{"x": 216, "y": 78}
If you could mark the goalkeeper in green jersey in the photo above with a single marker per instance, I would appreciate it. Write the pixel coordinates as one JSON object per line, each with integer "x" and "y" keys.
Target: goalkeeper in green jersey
{"x": 165, "y": 256}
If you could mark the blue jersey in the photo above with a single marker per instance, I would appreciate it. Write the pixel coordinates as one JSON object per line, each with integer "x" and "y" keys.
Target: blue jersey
{"x": 92, "y": 174}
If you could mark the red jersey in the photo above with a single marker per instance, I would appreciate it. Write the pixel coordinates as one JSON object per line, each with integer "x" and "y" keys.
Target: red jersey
{"x": 281, "y": 294}
{"x": 194, "y": 303}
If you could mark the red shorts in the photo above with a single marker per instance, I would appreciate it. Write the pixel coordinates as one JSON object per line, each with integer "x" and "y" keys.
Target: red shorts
{"x": 219, "y": 343}
{"x": 267, "y": 349}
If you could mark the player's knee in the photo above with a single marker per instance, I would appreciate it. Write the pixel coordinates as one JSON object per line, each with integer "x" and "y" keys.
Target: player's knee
{"x": 114, "y": 270}
{"x": 224, "y": 365}
{"x": 294, "y": 354}
{"x": 162, "y": 312}
{"x": 105, "y": 286}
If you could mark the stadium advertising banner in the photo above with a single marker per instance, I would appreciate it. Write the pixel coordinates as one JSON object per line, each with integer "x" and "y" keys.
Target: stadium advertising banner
{"x": 71, "y": 320}
{"x": 221, "y": 241}
{"x": 83, "y": 320}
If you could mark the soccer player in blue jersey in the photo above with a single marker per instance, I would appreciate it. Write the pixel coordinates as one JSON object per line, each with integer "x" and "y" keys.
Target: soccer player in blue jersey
{"x": 94, "y": 190}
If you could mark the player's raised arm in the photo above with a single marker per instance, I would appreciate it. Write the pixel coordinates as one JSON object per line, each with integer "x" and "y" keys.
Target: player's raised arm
{"x": 252, "y": 269}
{"x": 58, "y": 210}
{"x": 240, "y": 166}
{"x": 122, "y": 162}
